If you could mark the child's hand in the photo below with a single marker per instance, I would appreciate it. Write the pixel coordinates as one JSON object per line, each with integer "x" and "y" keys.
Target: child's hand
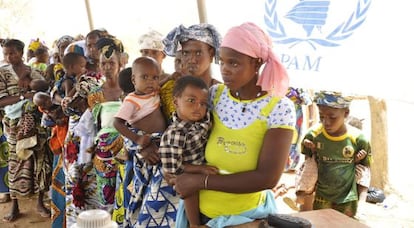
{"x": 150, "y": 154}
{"x": 309, "y": 144}
{"x": 169, "y": 177}
{"x": 360, "y": 155}
{"x": 175, "y": 75}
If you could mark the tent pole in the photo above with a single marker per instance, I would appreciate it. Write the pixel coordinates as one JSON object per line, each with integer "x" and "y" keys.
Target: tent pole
{"x": 88, "y": 11}
{"x": 202, "y": 15}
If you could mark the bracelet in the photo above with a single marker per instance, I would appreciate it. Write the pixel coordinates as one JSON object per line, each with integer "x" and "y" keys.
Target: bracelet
{"x": 206, "y": 181}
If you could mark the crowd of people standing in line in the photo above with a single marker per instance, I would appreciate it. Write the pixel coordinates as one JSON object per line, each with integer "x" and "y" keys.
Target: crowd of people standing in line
{"x": 151, "y": 148}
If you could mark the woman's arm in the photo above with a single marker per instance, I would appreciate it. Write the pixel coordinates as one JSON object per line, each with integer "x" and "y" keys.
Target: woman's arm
{"x": 8, "y": 100}
{"x": 67, "y": 86}
{"x": 272, "y": 160}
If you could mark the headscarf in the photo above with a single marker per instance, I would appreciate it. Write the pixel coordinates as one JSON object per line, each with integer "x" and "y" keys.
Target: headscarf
{"x": 201, "y": 32}
{"x": 58, "y": 71}
{"x": 109, "y": 46}
{"x": 151, "y": 40}
{"x": 332, "y": 99}
{"x": 64, "y": 39}
{"x": 251, "y": 40}
{"x": 35, "y": 44}
{"x": 76, "y": 47}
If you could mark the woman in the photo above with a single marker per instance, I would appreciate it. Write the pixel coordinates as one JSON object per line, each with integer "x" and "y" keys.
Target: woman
{"x": 197, "y": 46}
{"x": 150, "y": 44}
{"x": 251, "y": 135}
{"x": 79, "y": 173}
{"x": 32, "y": 175}
{"x": 107, "y": 101}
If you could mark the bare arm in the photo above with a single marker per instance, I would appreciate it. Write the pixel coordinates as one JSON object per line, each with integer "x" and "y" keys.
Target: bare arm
{"x": 270, "y": 166}
{"x": 67, "y": 86}
{"x": 120, "y": 126}
{"x": 8, "y": 100}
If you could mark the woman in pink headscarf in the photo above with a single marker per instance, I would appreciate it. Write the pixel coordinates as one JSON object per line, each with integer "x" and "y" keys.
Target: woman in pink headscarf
{"x": 251, "y": 136}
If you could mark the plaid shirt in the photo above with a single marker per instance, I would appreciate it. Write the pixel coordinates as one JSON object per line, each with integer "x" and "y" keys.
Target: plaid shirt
{"x": 184, "y": 143}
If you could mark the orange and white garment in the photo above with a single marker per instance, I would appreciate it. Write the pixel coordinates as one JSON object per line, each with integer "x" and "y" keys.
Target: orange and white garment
{"x": 135, "y": 107}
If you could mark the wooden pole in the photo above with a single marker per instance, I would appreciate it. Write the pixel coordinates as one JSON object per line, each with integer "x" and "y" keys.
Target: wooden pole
{"x": 379, "y": 143}
{"x": 88, "y": 12}
{"x": 202, "y": 15}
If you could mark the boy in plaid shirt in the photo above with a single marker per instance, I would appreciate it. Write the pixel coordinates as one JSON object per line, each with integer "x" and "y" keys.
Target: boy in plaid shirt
{"x": 183, "y": 143}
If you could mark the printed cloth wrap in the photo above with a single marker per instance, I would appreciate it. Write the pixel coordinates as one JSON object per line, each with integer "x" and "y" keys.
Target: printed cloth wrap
{"x": 202, "y": 32}
{"x": 332, "y": 99}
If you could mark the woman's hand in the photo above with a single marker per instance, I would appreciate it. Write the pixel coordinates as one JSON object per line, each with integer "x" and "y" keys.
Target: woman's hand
{"x": 188, "y": 184}
{"x": 65, "y": 102}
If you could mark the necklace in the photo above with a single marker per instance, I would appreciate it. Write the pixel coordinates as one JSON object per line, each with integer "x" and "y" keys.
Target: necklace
{"x": 245, "y": 103}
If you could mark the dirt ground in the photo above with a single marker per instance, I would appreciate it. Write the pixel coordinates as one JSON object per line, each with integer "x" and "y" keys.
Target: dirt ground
{"x": 396, "y": 211}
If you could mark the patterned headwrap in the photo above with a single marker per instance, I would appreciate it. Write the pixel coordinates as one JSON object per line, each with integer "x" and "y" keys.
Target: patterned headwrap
{"x": 64, "y": 39}
{"x": 151, "y": 40}
{"x": 109, "y": 46}
{"x": 35, "y": 44}
{"x": 202, "y": 32}
{"x": 75, "y": 48}
{"x": 58, "y": 71}
{"x": 332, "y": 99}
{"x": 251, "y": 40}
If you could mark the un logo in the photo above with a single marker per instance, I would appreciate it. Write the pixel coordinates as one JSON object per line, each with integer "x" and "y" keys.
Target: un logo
{"x": 313, "y": 17}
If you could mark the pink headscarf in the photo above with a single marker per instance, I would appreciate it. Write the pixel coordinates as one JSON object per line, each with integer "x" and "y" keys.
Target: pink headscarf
{"x": 249, "y": 39}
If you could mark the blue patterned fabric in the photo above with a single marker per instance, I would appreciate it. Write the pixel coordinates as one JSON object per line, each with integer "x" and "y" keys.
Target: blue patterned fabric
{"x": 58, "y": 193}
{"x": 332, "y": 99}
{"x": 152, "y": 202}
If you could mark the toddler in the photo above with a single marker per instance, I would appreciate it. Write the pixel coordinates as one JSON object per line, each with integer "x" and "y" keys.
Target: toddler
{"x": 183, "y": 142}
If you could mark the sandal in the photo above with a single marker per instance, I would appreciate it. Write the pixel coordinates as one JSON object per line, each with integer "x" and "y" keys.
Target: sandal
{"x": 291, "y": 203}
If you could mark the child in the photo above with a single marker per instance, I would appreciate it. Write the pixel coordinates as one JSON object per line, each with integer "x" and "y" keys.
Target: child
{"x": 141, "y": 110}
{"x": 42, "y": 59}
{"x": 125, "y": 81}
{"x": 74, "y": 65}
{"x": 143, "y": 103}
{"x": 53, "y": 117}
{"x": 183, "y": 143}
{"x": 125, "y": 165}
{"x": 338, "y": 147}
